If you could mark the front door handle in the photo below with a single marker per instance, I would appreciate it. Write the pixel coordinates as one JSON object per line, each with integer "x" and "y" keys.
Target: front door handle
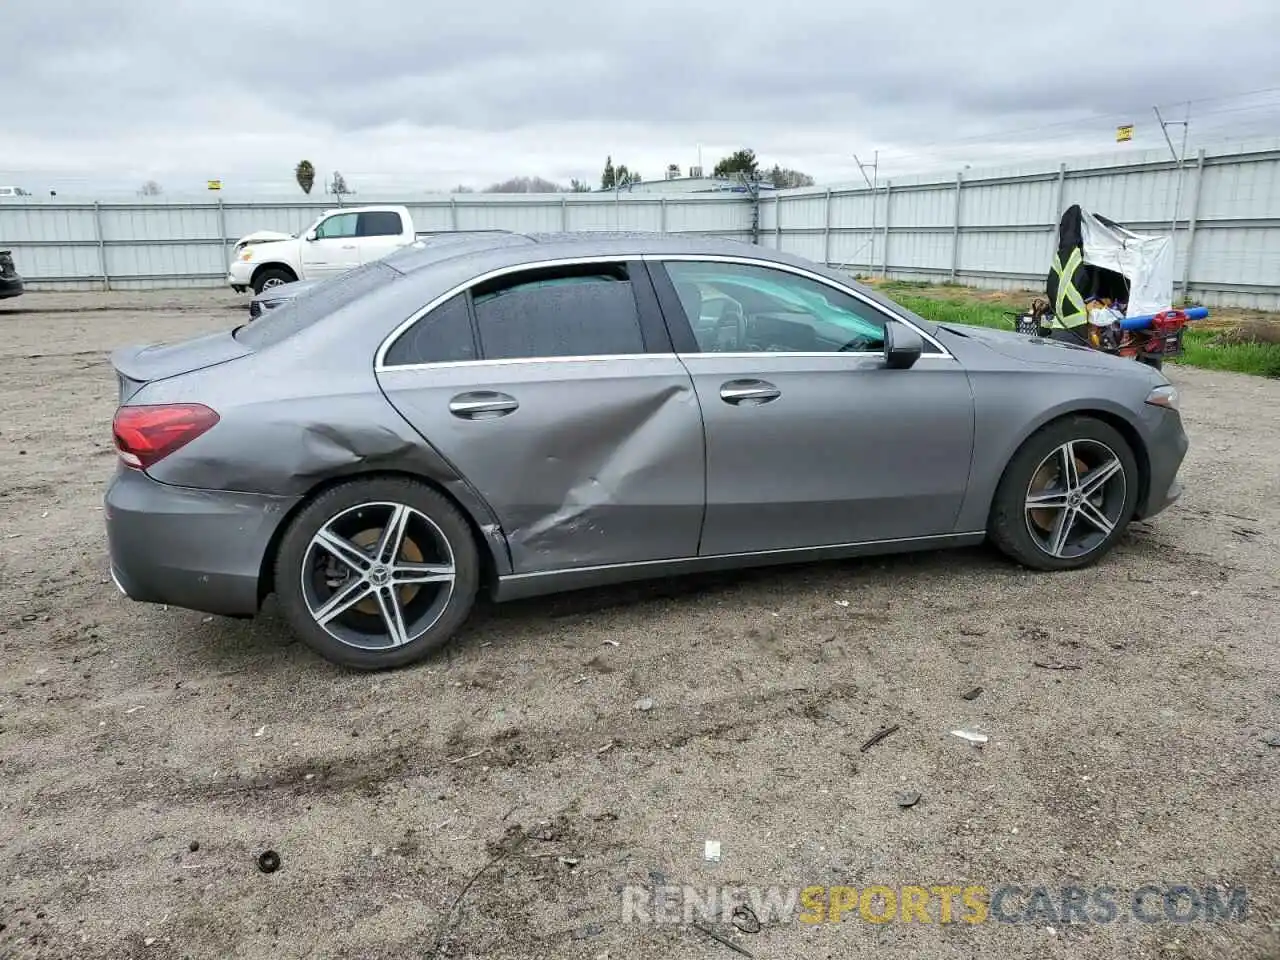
{"x": 482, "y": 405}
{"x": 750, "y": 392}
{"x": 350, "y": 246}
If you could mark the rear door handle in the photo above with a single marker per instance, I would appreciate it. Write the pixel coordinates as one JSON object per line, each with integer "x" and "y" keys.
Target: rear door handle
{"x": 750, "y": 392}
{"x": 482, "y": 405}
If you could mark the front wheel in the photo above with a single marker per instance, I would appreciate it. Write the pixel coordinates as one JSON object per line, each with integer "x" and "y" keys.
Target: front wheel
{"x": 1066, "y": 496}
{"x": 374, "y": 574}
{"x": 271, "y": 277}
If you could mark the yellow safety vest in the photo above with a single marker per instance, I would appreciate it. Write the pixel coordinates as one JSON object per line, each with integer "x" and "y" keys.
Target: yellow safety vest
{"x": 1067, "y": 292}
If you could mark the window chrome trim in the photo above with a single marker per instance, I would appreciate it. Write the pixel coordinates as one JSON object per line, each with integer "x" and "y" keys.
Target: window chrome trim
{"x": 380, "y": 364}
{"x": 508, "y": 361}
{"x": 380, "y": 357}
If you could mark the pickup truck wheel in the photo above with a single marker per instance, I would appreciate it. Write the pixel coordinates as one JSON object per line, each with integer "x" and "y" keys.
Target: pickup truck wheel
{"x": 271, "y": 277}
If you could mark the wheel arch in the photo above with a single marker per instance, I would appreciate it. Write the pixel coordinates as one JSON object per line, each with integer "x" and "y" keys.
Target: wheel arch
{"x": 1106, "y": 414}
{"x": 270, "y": 265}
{"x": 491, "y": 562}
{"x": 980, "y": 498}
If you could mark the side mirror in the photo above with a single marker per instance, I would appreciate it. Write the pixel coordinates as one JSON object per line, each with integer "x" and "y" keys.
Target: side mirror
{"x": 310, "y": 235}
{"x": 902, "y": 346}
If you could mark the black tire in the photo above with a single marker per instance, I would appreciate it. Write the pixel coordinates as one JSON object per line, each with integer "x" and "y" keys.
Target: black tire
{"x": 271, "y": 277}
{"x": 1011, "y": 522}
{"x": 296, "y": 572}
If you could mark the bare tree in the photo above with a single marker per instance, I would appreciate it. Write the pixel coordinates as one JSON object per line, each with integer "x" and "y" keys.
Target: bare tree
{"x": 338, "y": 186}
{"x": 525, "y": 185}
{"x": 150, "y": 189}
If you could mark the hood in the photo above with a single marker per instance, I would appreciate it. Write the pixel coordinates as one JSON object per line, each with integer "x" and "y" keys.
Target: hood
{"x": 262, "y": 236}
{"x": 1017, "y": 346}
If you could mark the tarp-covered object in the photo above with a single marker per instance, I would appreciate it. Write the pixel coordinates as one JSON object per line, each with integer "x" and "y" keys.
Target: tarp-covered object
{"x": 1099, "y": 259}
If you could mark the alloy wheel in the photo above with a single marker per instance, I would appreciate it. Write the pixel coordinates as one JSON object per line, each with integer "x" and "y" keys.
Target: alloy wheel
{"x": 1075, "y": 498}
{"x": 378, "y": 575}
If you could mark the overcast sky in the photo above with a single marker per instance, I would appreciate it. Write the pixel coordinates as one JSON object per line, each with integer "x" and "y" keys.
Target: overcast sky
{"x": 418, "y": 95}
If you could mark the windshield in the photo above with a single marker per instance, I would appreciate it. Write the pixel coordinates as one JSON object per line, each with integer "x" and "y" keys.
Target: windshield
{"x": 315, "y": 304}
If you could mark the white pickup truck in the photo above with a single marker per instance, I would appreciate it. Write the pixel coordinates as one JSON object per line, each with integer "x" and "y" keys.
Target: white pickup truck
{"x": 338, "y": 241}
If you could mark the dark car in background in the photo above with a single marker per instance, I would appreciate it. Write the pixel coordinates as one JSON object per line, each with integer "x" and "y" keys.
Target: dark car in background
{"x": 10, "y": 280}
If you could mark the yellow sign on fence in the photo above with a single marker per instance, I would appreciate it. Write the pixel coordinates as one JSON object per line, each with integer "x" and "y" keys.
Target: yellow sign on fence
{"x": 1124, "y": 133}
{"x": 215, "y": 184}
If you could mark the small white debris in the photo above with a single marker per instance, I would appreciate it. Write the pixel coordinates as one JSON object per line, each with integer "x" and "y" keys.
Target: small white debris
{"x": 568, "y": 861}
{"x": 149, "y": 942}
{"x": 45, "y": 515}
{"x": 842, "y": 603}
{"x": 260, "y": 731}
{"x": 135, "y": 709}
{"x": 644, "y": 704}
{"x": 207, "y": 620}
{"x": 977, "y": 739}
{"x": 612, "y": 643}
{"x": 711, "y": 852}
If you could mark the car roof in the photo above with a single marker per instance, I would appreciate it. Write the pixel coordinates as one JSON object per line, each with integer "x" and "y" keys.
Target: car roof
{"x": 478, "y": 253}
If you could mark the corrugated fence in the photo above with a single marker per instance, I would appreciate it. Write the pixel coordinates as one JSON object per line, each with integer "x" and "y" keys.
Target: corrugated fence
{"x": 992, "y": 228}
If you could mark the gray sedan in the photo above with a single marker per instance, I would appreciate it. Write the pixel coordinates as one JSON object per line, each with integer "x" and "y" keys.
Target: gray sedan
{"x": 524, "y": 414}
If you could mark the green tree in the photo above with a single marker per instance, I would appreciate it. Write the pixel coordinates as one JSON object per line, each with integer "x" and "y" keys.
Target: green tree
{"x": 610, "y": 177}
{"x": 784, "y": 177}
{"x": 305, "y": 174}
{"x": 739, "y": 162}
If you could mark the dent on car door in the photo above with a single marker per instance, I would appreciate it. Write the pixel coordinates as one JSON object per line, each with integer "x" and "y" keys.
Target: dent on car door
{"x": 811, "y": 440}
{"x": 554, "y": 394}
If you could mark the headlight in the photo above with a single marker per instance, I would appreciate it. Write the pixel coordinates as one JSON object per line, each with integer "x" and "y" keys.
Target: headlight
{"x": 1165, "y": 396}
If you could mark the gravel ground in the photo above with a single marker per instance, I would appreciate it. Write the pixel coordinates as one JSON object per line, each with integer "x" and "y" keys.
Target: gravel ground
{"x": 130, "y": 734}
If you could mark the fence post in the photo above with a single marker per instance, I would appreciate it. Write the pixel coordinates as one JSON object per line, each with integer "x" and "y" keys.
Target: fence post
{"x": 955, "y": 229}
{"x": 453, "y": 212}
{"x": 564, "y": 214}
{"x": 884, "y": 269}
{"x": 222, "y": 231}
{"x": 662, "y": 214}
{"x": 826, "y": 232}
{"x": 777, "y": 222}
{"x": 102, "y": 247}
{"x": 1191, "y": 224}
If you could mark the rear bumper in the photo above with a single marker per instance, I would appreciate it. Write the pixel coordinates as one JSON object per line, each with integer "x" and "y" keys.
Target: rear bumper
{"x": 1165, "y": 451}
{"x": 197, "y": 549}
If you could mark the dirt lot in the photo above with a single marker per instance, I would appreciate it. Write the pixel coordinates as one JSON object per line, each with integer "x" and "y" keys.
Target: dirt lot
{"x": 129, "y": 734}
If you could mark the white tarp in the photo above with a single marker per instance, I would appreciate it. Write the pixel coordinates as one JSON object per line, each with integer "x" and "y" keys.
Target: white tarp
{"x": 1146, "y": 262}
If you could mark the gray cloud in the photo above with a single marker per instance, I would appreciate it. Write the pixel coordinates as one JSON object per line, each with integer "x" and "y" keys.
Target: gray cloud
{"x": 421, "y": 94}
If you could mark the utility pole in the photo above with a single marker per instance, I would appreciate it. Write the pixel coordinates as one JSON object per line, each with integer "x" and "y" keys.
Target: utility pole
{"x": 873, "y": 182}
{"x": 1179, "y": 158}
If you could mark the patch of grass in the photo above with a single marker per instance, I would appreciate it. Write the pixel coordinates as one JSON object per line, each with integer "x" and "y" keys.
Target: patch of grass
{"x": 957, "y": 311}
{"x": 1259, "y": 359}
{"x": 1200, "y": 348}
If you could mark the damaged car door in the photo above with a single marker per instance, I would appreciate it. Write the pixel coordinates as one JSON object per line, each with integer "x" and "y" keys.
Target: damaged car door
{"x": 555, "y": 392}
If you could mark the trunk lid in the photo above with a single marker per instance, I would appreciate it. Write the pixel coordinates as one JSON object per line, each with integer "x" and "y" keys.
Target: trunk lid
{"x": 137, "y": 366}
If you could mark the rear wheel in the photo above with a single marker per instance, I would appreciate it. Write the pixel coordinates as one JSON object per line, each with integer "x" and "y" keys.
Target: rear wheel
{"x": 1066, "y": 496}
{"x": 271, "y": 277}
{"x": 378, "y": 573}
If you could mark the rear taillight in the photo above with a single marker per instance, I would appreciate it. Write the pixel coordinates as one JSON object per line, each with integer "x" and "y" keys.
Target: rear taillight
{"x": 147, "y": 434}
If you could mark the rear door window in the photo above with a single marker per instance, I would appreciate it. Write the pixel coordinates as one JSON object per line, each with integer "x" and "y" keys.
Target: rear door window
{"x": 444, "y": 335}
{"x": 379, "y": 223}
{"x": 574, "y": 311}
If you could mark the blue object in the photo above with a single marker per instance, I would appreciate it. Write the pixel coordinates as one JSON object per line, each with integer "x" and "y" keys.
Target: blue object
{"x": 1141, "y": 323}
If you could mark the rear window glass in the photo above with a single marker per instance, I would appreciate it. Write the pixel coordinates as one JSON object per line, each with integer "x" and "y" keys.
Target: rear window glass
{"x": 380, "y": 223}
{"x": 569, "y": 312}
{"x": 443, "y": 336}
{"x": 315, "y": 304}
